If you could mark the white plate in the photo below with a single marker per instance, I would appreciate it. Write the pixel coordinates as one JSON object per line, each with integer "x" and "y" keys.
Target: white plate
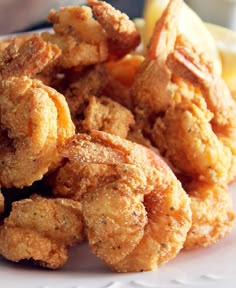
{"x": 211, "y": 267}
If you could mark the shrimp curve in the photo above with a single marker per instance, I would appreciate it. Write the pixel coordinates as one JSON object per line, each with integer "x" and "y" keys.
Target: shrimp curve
{"x": 139, "y": 217}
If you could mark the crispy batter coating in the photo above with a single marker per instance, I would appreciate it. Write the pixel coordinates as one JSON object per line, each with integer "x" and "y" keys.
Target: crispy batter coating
{"x": 89, "y": 82}
{"x": 101, "y": 114}
{"x": 188, "y": 63}
{"x": 213, "y": 217}
{"x": 96, "y": 113}
{"x": 111, "y": 211}
{"x": 119, "y": 218}
{"x": 122, "y": 34}
{"x": 190, "y": 117}
{"x": 135, "y": 213}
{"x": 35, "y": 121}
{"x": 107, "y": 115}
{"x": 42, "y": 230}
{"x": 152, "y": 90}
{"x": 185, "y": 136}
{"x": 28, "y": 59}
{"x": 17, "y": 39}
{"x": 75, "y": 179}
{"x": 80, "y": 37}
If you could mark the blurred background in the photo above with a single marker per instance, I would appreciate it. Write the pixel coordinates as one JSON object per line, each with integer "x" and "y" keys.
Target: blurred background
{"x": 221, "y": 12}
{"x": 23, "y": 15}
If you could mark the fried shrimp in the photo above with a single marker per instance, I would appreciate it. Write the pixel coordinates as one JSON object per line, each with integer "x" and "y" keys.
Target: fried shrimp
{"x": 80, "y": 37}
{"x": 190, "y": 117}
{"x": 152, "y": 89}
{"x": 185, "y": 137}
{"x": 214, "y": 91}
{"x": 122, "y": 34}
{"x": 41, "y": 230}
{"x": 131, "y": 148}
{"x": 143, "y": 192}
{"x": 89, "y": 82}
{"x": 31, "y": 130}
{"x": 196, "y": 130}
{"x": 181, "y": 129}
{"x": 107, "y": 115}
{"x": 90, "y": 110}
{"x": 213, "y": 217}
{"x": 75, "y": 179}
{"x": 34, "y": 119}
{"x": 85, "y": 41}
{"x": 186, "y": 62}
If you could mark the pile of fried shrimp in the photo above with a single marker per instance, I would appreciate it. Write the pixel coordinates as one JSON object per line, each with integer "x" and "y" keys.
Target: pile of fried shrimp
{"x": 129, "y": 149}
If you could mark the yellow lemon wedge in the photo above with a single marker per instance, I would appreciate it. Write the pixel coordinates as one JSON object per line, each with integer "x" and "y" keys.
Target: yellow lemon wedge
{"x": 190, "y": 25}
{"x": 225, "y": 40}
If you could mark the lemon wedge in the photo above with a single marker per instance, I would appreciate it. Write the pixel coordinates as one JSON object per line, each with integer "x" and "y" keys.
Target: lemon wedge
{"x": 190, "y": 25}
{"x": 225, "y": 40}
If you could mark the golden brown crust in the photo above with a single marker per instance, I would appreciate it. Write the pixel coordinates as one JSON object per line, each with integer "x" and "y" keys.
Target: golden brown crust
{"x": 28, "y": 59}
{"x": 41, "y": 229}
{"x": 107, "y": 115}
{"x": 80, "y": 37}
{"x": 31, "y": 130}
{"x": 136, "y": 213}
{"x": 121, "y": 31}
{"x": 188, "y": 113}
{"x": 185, "y": 136}
{"x": 213, "y": 215}
{"x": 17, "y": 39}
{"x": 143, "y": 189}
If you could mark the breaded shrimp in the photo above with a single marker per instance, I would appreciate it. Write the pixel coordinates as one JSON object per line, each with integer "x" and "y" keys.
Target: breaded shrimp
{"x": 92, "y": 111}
{"x": 75, "y": 179}
{"x": 152, "y": 90}
{"x": 213, "y": 217}
{"x": 41, "y": 230}
{"x": 185, "y": 130}
{"x": 101, "y": 114}
{"x": 107, "y": 115}
{"x": 144, "y": 192}
{"x": 122, "y": 34}
{"x": 185, "y": 137}
{"x": 34, "y": 119}
{"x": 187, "y": 63}
{"x": 80, "y": 37}
{"x": 196, "y": 130}
{"x": 89, "y": 82}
